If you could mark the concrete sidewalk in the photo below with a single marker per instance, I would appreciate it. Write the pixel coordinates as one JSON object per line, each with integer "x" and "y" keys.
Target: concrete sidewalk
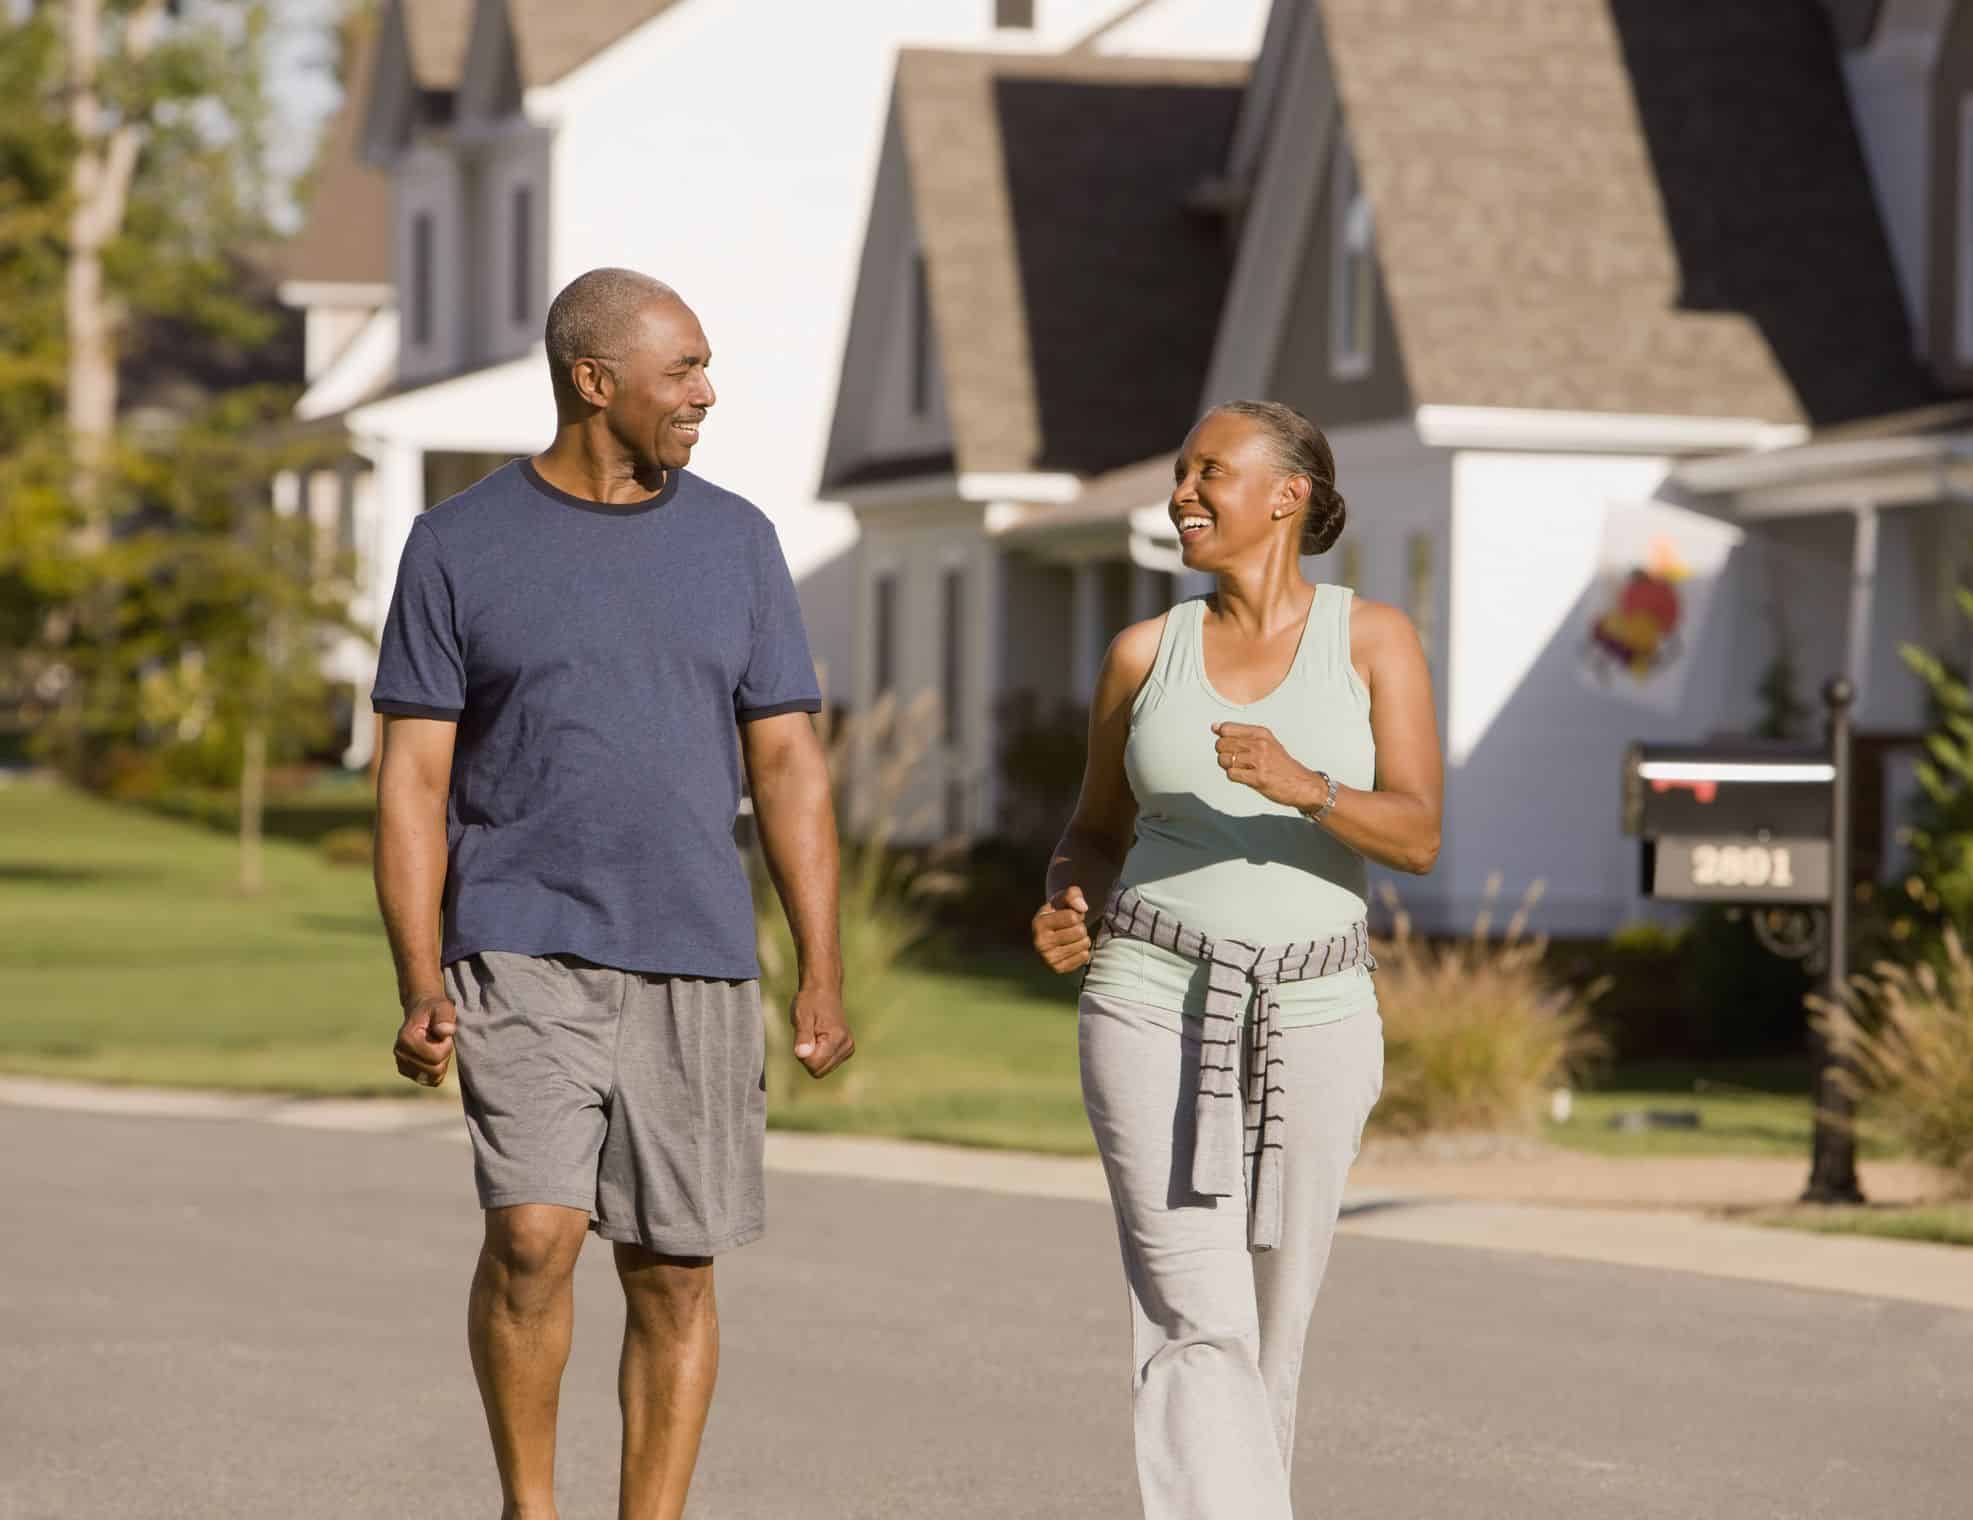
{"x": 1469, "y": 1204}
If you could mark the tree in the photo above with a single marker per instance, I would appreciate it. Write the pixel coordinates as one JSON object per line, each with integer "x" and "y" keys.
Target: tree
{"x": 152, "y": 599}
{"x": 1939, "y": 891}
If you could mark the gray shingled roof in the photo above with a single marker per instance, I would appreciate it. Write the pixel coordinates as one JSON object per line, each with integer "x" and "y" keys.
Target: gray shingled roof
{"x": 438, "y": 32}
{"x": 553, "y": 37}
{"x": 1075, "y": 295}
{"x": 1653, "y": 206}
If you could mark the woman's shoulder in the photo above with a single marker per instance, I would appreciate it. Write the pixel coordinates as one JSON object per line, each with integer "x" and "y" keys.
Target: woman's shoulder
{"x": 1383, "y": 639}
{"x": 1373, "y": 623}
{"x": 1134, "y": 652}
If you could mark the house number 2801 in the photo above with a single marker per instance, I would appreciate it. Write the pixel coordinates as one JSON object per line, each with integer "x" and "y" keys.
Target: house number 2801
{"x": 1741, "y": 865}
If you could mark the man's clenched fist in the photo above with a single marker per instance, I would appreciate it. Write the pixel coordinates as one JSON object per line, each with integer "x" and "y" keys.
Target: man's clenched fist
{"x": 424, "y": 1042}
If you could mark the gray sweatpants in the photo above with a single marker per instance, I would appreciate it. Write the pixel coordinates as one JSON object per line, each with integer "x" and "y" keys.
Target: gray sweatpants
{"x": 1217, "y": 1331}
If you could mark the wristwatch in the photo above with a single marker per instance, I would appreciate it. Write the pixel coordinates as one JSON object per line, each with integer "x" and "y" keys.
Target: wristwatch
{"x": 1320, "y": 814}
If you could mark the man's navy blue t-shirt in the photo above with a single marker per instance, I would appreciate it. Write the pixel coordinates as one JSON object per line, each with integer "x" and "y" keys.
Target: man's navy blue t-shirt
{"x": 598, "y": 660}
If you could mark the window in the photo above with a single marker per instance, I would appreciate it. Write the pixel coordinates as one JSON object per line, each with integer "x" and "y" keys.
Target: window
{"x": 419, "y": 297}
{"x": 1421, "y": 586}
{"x": 520, "y": 303}
{"x": 1963, "y": 319}
{"x": 921, "y": 338}
{"x": 952, "y": 687}
{"x": 884, "y": 635}
{"x": 1014, "y": 15}
{"x": 1353, "y": 294}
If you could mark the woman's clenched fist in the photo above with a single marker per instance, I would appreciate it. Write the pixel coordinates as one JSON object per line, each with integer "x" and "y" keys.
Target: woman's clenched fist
{"x": 1061, "y": 930}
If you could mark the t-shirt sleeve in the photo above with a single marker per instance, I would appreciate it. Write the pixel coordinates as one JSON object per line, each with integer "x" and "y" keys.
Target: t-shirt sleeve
{"x": 780, "y": 673}
{"x": 421, "y": 672}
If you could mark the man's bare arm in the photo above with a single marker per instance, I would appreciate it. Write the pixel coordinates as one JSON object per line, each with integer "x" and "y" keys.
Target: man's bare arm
{"x": 412, "y": 785}
{"x": 795, "y": 813}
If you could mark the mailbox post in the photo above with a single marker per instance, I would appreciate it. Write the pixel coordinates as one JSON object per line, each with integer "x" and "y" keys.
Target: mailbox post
{"x": 1833, "y": 1153}
{"x": 1764, "y": 826}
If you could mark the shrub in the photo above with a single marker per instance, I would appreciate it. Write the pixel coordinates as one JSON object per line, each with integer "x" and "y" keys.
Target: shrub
{"x": 1905, "y": 1035}
{"x": 1746, "y": 1000}
{"x": 1646, "y": 1010}
{"x": 348, "y": 846}
{"x": 1041, "y": 756}
{"x": 883, "y": 895}
{"x": 1475, "y": 1036}
{"x": 1644, "y": 938}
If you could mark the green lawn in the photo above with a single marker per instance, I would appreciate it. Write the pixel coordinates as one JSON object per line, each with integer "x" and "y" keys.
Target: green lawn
{"x": 128, "y": 955}
{"x": 1943, "y": 1223}
{"x": 975, "y": 1053}
{"x": 1744, "y": 1109}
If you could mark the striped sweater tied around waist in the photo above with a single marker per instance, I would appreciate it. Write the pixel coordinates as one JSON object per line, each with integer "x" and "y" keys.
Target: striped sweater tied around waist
{"x": 1236, "y": 968}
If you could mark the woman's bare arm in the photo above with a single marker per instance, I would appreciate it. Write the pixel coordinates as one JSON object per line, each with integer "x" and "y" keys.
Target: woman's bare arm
{"x": 1398, "y": 824}
{"x": 1092, "y": 848}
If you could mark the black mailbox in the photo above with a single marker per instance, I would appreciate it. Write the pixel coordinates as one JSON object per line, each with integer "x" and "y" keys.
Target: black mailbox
{"x": 1738, "y": 822}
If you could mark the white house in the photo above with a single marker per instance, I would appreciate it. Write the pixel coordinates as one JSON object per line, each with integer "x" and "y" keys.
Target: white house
{"x": 728, "y": 147}
{"x": 1576, "y": 287}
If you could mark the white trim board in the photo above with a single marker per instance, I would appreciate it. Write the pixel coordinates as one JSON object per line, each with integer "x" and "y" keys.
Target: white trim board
{"x": 305, "y": 293}
{"x": 1502, "y": 427}
{"x": 362, "y": 369}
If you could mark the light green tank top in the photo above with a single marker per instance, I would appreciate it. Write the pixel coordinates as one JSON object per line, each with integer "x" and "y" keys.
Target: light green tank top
{"x": 1218, "y": 855}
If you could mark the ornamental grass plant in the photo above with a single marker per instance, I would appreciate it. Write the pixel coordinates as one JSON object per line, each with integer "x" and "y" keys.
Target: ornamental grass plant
{"x": 1904, "y": 1037}
{"x": 1476, "y": 1036}
{"x": 885, "y": 893}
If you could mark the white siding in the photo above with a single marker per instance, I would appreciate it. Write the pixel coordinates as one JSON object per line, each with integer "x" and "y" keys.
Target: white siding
{"x": 1535, "y": 752}
{"x": 918, "y": 551}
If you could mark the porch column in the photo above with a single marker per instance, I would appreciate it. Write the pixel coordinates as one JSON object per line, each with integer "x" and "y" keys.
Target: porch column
{"x": 1147, "y": 593}
{"x": 983, "y": 757}
{"x": 1086, "y": 630}
{"x": 390, "y": 496}
{"x": 1863, "y": 599}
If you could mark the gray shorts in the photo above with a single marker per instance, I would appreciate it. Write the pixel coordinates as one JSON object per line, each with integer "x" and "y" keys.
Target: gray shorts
{"x": 642, "y": 1099}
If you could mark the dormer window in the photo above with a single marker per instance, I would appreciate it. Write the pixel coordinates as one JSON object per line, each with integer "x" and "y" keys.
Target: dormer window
{"x": 1353, "y": 259}
{"x": 1964, "y": 301}
{"x": 418, "y": 296}
{"x": 1014, "y": 15}
{"x": 520, "y": 225}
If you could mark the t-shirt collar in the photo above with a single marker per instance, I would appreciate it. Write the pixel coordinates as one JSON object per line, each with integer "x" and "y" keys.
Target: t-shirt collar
{"x": 603, "y": 508}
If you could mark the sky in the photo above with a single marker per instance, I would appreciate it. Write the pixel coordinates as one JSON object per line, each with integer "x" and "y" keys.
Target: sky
{"x": 301, "y": 79}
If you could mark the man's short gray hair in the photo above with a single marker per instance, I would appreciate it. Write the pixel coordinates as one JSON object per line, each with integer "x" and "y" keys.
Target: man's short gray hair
{"x": 591, "y": 318}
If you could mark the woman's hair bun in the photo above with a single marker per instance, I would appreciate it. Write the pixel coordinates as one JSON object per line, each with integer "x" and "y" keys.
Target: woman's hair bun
{"x": 1322, "y": 525}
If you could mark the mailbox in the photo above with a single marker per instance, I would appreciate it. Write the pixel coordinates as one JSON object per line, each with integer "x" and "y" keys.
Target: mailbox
{"x": 1735, "y": 823}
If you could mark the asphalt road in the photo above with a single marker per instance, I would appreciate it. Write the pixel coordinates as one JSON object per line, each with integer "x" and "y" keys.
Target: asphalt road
{"x": 203, "y": 1318}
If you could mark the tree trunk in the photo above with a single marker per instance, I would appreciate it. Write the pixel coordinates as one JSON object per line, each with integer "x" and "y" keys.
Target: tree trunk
{"x": 105, "y": 162}
{"x": 253, "y": 808}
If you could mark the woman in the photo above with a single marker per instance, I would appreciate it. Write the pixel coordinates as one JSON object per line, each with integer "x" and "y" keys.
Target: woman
{"x": 1248, "y": 750}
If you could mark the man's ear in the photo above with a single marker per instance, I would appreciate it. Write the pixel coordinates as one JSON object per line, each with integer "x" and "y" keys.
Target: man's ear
{"x": 592, "y": 381}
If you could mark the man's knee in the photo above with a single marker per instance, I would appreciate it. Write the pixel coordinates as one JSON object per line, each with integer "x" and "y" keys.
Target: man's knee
{"x": 535, "y": 1242}
{"x": 674, "y": 1291}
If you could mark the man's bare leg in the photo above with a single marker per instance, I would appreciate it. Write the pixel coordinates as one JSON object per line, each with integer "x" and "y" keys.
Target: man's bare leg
{"x": 518, "y": 1323}
{"x": 665, "y": 1381}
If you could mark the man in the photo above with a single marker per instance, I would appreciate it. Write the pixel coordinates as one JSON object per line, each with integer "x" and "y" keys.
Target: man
{"x": 583, "y": 650}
